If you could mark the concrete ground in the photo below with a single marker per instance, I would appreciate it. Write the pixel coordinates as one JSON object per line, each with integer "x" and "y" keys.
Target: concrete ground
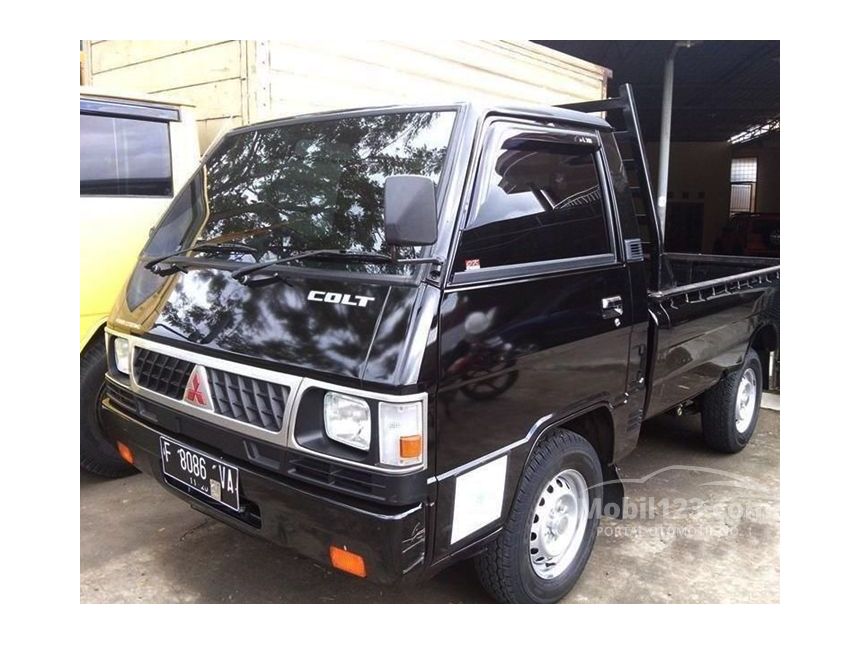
{"x": 701, "y": 527}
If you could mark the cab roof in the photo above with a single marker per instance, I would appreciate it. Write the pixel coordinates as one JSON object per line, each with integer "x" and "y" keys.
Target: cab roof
{"x": 555, "y": 113}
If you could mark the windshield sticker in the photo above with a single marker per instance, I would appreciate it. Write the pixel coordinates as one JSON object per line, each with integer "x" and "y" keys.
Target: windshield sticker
{"x": 472, "y": 265}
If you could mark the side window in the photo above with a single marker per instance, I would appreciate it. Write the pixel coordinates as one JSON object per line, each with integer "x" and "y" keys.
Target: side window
{"x": 541, "y": 200}
{"x": 125, "y": 157}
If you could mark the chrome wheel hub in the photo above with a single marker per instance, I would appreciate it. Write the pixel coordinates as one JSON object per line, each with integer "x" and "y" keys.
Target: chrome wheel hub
{"x": 745, "y": 402}
{"x": 558, "y": 524}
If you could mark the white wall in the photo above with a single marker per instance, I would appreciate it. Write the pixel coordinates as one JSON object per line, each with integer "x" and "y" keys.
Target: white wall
{"x": 308, "y": 77}
{"x": 699, "y": 167}
{"x": 236, "y": 82}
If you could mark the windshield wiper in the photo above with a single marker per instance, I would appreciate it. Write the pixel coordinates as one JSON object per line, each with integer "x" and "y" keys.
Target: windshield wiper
{"x": 202, "y": 247}
{"x": 328, "y": 254}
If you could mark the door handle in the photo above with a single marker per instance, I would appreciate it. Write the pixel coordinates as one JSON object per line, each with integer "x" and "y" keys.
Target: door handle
{"x": 612, "y": 307}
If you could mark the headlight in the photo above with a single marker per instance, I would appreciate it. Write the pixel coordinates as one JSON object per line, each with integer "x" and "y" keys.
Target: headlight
{"x": 121, "y": 355}
{"x": 401, "y": 433}
{"x": 347, "y": 420}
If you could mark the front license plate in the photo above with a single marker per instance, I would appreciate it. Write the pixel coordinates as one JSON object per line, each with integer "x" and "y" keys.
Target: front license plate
{"x": 202, "y": 472}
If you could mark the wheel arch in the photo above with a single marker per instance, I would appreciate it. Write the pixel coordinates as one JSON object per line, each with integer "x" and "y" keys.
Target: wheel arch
{"x": 94, "y": 334}
{"x": 596, "y": 425}
{"x": 765, "y": 340}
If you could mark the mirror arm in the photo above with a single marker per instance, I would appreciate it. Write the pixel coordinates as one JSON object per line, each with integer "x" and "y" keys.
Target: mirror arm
{"x": 392, "y": 251}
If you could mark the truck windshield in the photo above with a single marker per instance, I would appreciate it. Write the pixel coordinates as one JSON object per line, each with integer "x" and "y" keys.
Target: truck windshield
{"x": 305, "y": 186}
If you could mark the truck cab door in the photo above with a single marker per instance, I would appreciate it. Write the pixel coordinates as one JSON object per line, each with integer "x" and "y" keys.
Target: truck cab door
{"x": 536, "y": 315}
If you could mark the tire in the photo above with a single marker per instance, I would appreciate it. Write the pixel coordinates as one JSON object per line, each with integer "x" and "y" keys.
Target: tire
{"x": 97, "y": 455}
{"x": 725, "y": 427}
{"x": 506, "y": 569}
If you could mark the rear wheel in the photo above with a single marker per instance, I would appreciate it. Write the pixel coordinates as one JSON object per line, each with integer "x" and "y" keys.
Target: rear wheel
{"x": 97, "y": 455}
{"x": 730, "y": 408}
{"x": 552, "y": 525}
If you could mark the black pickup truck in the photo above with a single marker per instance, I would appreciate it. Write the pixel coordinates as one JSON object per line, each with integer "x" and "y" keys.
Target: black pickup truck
{"x": 394, "y": 338}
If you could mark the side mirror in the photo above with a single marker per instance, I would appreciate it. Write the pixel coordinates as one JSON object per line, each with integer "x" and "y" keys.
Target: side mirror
{"x": 410, "y": 210}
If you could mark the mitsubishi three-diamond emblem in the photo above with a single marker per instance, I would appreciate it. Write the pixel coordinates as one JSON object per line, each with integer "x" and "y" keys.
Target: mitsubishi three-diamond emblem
{"x": 197, "y": 390}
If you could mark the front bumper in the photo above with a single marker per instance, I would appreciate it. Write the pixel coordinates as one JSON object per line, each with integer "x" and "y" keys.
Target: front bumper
{"x": 293, "y": 514}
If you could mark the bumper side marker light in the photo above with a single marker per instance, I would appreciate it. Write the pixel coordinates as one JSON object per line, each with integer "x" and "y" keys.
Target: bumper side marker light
{"x": 125, "y": 452}
{"x": 347, "y": 561}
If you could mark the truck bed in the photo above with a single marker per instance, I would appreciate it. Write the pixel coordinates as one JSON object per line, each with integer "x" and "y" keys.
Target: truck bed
{"x": 688, "y": 271}
{"x": 706, "y": 311}
{"x": 703, "y": 317}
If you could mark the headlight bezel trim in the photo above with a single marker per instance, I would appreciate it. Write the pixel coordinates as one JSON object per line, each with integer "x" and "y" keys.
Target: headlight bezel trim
{"x": 373, "y": 399}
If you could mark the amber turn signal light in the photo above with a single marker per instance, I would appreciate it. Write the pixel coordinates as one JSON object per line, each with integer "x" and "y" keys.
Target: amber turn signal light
{"x": 347, "y": 561}
{"x": 125, "y": 452}
{"x": 410, "y": 447}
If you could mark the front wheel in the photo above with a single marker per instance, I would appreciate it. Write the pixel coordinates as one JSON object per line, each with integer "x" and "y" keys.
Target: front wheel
{"x": 550, "y": 532}
{"x": 730, "y": 408}
{"x": 97, "y": 455}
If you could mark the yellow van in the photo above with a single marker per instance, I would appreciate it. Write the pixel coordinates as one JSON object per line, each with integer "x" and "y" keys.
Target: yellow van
{"x": 136, "y": 153}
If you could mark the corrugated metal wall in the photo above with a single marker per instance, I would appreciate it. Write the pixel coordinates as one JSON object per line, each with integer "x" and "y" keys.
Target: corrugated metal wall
{"x": 240, "y": 82}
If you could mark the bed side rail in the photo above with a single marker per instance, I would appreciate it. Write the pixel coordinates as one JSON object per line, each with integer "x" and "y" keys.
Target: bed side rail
{"x": 700, "y": 291}
{"x": 749, "y": 260}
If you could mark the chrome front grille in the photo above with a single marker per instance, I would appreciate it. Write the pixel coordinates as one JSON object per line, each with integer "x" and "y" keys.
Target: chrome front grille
{"x": 249, "y": 400}
{"x": 254, "y": 401}
{"x": 166, "y": 375}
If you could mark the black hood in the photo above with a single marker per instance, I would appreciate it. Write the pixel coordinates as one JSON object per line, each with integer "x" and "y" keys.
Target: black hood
{"x": 294, "y": 323}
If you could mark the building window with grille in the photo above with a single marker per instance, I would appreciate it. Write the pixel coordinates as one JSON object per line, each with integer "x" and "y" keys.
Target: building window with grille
{"x": 743, "y": 178}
